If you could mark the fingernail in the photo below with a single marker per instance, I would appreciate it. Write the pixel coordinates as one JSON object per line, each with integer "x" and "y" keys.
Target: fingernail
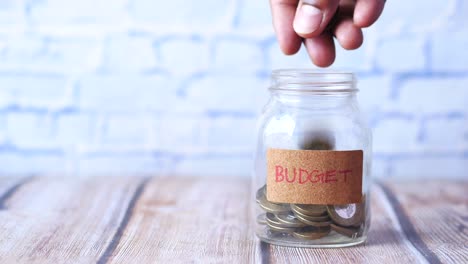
{"x": 308, "y": 19}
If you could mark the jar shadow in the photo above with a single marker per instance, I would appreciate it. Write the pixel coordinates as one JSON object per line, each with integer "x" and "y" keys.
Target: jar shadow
{"x": 384, "y": 236}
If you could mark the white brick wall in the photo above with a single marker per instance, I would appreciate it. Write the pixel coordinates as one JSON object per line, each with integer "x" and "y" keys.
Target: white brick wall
{"x": 174, "y": 87}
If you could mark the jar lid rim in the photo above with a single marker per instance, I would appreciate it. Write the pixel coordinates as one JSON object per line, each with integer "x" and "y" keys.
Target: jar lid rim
{"x": 313, "y": 80}
{"x": 304, "y": 71}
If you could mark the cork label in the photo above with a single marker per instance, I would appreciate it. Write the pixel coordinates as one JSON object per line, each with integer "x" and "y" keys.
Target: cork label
{"x": 314, "y": 176}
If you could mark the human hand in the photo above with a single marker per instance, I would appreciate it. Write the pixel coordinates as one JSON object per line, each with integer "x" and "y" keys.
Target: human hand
{"x": 316, "y": 22}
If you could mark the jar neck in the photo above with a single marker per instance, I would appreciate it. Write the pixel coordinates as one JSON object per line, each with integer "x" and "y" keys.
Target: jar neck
{"x": 315, "y": 100}
{"x": 313, "y": 89}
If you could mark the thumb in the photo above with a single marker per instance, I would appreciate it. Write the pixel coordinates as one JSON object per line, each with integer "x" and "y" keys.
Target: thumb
{"x": 312, "y": 16}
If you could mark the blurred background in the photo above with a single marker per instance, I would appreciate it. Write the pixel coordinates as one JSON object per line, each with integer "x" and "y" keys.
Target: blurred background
{"x": 126, "y": 87}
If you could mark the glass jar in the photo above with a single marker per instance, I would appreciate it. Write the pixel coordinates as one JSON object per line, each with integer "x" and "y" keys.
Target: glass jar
{"x": 312, "y": 166}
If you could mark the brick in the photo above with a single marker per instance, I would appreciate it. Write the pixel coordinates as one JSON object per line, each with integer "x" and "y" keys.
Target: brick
{"x": 37, "y": 54}
{"x": 446, "y": 133}
{"x": 252, "y": 15}
{"x": 18, "y": 51}
{"x": 11, "y": 12}
{"x": 183, "y": 56}
{"x": 73, "y": 129}
{"x": 22, "y": 164}
{"x": 238, "y": 55}
{"x": 72, "y": 54}
{"x": 20, "y": 126}
{"x": 77, "y": 12}
{"x": 2, "y": 129}
{"x": 129, "y": 54}
{"x": 177, "y": 133}
{"x": 430, "y": 167}
{"x": 219, "y": 166}
{"x": 125, "y": 92}
{"x": 413, "y": 16}
{"x": 180, "y": 13}
{"x": 374, "y": 92}
{"x": 401, "y": 55}
{"x": 34, "y": 90}
{"x": 459, "y": 19}
{"x": 447, "y": 51}
{"x": 7, "y": 96}
{"x": 233, "y": 133}
{"x": 223, "y": 92}
{"x": 430, "y": 95}
{"x": 395, "y": 134}
{"x": 127, "y": 129}
{"x": 356, "y": 60}
{"x": 277, "y": 60}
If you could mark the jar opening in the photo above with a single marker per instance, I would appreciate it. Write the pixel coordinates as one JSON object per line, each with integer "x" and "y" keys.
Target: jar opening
{"x": 304, "y": 80}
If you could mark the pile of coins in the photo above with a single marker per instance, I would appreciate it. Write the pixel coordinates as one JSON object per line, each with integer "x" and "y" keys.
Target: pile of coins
{"x": 310, "y": 222}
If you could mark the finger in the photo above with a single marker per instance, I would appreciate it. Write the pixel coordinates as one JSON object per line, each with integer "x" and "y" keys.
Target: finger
{"x": 321, "y": 49}
{"x": 312, "y": 16}
{"x": 366, "y": 12}
{"x": 348, "y": 35}
{"x": 283, "y": 15}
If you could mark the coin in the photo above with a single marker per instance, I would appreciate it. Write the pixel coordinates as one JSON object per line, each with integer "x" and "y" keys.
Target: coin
{"x": 261, "y": 219}
{"x": 281, "y": 229}
{"x": 347, "y": 231}
{"x": 348, "y": 214}
{"x": 319, "y": 140}
{"x": 290, "y": 220}
{"x": 275, "y": 225}
{"x": 313, "y": 223}
{"x": 261, "y": 193}
{"x": 320, "y": 218}
{"x": 310, "y": 210}
{"x": 269, "y": 206}
{"x": 311, "y": 233}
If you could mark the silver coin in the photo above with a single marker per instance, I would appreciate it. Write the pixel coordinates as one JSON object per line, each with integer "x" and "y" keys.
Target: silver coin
{"x": 348, "y": 214}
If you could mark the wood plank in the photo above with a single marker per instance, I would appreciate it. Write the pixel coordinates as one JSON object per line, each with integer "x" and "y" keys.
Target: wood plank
{"x": 8, "y": 186}
{"x": 63, "y": 220}
{"x": 386, "y": 243}
{"x": 181, "y": 220}
{"x": 122, "y": 220}
{"x": 434, "y": 214}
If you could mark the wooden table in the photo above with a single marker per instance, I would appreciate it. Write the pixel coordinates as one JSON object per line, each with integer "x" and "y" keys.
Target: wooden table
{"x": 205, "y": 220}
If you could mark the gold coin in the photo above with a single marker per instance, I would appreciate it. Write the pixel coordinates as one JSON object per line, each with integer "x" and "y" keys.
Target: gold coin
{"x": 311, "y": 233}
{"x": 281, "y": 229}
{"x": 289, "y": 220}
{"x": 347, "y": 231}
{"x": 275, "y": 225}
{"x": 261, "y": 219}
{"x": 269, "y": 206}
{"x": 319, "y": 140}
{"x": 312, "y": 218}
{"x": 273, "y": 208}
{"x": 313, "y": 223}
{"x": 261, "y": 193}
{"x": 310, "y": 210}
